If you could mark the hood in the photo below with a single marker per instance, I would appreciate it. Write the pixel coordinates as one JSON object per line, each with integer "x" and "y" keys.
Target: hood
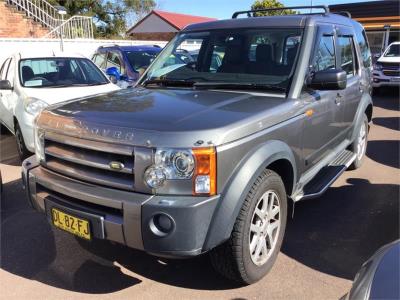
{"x": 169, "y": 117}
{"x": 394, "y": 59}
{"x": 57, "y": 95}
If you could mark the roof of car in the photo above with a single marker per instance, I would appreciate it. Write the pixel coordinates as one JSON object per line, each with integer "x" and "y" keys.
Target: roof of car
{"x": 46, "y": 53}
{"x": 283, "y": 21}
{"x": 132, "y": 48}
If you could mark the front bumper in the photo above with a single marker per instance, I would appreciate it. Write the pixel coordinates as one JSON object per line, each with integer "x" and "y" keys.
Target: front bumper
{"x": 127, "y": 218}
{"x": 380, "y": 79}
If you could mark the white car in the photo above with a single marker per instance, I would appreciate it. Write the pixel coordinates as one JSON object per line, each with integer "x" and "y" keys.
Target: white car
{"x": 387, "y": 69}
{"x": 30, "y": 82}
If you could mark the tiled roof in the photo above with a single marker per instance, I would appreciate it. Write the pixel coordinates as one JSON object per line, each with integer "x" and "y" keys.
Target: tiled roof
{"x": 180, "y": 21}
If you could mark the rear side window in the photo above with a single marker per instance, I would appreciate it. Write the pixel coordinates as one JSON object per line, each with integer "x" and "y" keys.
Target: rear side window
{"x": 364, "y": 47}
{"x": 346, "y": 53}
{"x": 114, "y": 60}
{"x": 324, "y": 57}
{"x": 99, "y": 59}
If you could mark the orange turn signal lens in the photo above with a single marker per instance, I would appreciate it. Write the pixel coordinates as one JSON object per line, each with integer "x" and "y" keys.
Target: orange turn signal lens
{"x": 205, "y": 175}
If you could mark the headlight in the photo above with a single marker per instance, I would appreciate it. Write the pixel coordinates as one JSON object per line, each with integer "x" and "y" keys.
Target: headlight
{"x": 178, "y": 163}
{"x": 34, "y": 106}
{"x": 377, "y": 67}
{"x": 38, "y": 135}
{"x": 198, "y": 165}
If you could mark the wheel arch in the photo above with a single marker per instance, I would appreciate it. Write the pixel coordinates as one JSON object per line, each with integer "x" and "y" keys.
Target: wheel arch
{"x": 274, "y": 155}
{"x": 365, "y": 108}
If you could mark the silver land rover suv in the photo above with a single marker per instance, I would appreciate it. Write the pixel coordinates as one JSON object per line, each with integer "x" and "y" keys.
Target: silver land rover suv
{"x": 204, "y": 155}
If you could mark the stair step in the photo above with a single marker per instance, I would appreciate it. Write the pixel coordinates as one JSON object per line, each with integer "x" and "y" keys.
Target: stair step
{"x": 328, "y": 175}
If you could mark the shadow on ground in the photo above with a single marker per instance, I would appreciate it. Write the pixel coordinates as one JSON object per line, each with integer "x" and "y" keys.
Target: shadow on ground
{"x": 387, "y": 98}
{"x": 334, "y": 234}
{"x": 392, "y": 123}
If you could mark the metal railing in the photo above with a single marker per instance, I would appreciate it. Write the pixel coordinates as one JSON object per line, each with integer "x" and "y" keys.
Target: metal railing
{"x": 75, "y": 27}
{"x": 43, "y": 12}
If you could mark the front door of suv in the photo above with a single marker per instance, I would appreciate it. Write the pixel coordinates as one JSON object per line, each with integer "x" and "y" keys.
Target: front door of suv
{"x": 347, "y": 60}
{"x": 323, "y": 128}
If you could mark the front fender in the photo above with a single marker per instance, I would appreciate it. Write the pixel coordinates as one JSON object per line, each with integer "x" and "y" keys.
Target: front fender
{"x": 238, "y": 186}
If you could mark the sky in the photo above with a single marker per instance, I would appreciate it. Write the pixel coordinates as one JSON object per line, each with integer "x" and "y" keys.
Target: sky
{"x": 223, "y": 9}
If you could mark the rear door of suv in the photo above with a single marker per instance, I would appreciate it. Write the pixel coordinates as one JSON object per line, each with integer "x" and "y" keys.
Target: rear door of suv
{"x": 349, "y": 62}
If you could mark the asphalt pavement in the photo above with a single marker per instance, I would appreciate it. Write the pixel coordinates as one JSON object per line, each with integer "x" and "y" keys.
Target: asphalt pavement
{"x": 325, "y": 243}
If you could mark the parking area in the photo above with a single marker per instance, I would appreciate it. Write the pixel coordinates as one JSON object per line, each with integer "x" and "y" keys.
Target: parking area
{"x": 325, "y": 244}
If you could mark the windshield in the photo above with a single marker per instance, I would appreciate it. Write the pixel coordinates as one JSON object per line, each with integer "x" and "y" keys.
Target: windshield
{"x": 59, "y": 72}
{"x": 140, "y": 59}
{"x": 262, "y": 58}
{"x": 394, "y": 50}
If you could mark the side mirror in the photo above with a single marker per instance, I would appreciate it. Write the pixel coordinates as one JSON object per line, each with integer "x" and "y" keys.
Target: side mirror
{"x": 331, "y": 79}
{"x": 5, "y": 85}
{"x": 113, "y": 74}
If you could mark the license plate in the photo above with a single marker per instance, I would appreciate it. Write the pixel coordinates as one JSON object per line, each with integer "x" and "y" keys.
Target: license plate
{"x": 71, "y": 224}
{"x": 395, "y": 79}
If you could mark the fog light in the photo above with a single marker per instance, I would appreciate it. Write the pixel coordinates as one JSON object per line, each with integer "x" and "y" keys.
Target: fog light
{"x": 202, "y": 184}
{"x": 161, "y": 224}
{"x": 155, "y": 177}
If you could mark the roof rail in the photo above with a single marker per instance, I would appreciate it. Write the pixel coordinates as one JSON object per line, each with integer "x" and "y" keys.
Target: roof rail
{"x": 254, "y": 11}
{"x": 343, "y": 13}
{"x": 109, "y": 45}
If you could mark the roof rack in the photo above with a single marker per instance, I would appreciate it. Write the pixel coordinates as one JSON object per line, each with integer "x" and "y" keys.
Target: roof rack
{"x": 343, "y": 13}
{"x": 251, "y": 13}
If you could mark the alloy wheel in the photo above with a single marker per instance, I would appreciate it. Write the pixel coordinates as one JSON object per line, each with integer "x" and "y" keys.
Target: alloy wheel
{"x": 264, "y": 228}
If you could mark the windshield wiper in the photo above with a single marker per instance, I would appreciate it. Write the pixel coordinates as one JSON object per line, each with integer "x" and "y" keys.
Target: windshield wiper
{"x": 240, "y": 86}
{"x": 168, "y": 82}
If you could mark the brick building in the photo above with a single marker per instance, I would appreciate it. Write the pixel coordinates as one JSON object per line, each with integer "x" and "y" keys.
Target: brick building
{"x": 162, "y": 26}
{"x": 16, "y": 24}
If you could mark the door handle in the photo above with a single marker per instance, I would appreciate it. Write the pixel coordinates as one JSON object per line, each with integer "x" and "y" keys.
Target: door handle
{"x": 338, "y": 99}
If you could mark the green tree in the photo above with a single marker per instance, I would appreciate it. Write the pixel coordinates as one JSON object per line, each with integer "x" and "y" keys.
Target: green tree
{"x": 261, "y": 4}
{"x": 110, "y": 17}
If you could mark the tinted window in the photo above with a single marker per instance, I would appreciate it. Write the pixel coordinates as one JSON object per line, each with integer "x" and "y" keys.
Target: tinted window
{"x": 99, "y": 59}
{"x": 324, "y": 57}
{"x": 140, "y": 59}
{"x": 364, "y": 47}
{"x": 59, "y": 72}
{"x": 346, "y": 53}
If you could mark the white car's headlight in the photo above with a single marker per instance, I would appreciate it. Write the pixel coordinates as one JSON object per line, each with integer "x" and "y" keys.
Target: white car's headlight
{"x": 197, "y": 164}
{"x": 38, "y": 135}
{"x": 34, "y": 106}
{"x": 377, "y": 67}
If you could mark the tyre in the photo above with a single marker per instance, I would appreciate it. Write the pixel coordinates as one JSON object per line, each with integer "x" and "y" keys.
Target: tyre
{"x": 23, "y": 152}
{"x": 359, "y": 146}
{"x": 256, "y": 238}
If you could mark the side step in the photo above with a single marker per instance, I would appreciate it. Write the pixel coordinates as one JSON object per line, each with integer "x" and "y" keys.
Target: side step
{"x": 328, "y": 175}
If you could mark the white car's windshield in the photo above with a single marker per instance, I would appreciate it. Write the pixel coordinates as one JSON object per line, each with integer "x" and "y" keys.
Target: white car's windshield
{"x": 59, "y": 72}
{"x": 393, "y": 51}
{"x": 253, "y": 58}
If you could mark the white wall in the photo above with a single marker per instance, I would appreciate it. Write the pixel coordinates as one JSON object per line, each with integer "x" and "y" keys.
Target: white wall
{"x": 85, "y": 47}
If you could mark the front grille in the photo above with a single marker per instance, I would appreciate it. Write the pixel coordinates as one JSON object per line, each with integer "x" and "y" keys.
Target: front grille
{"x": 391, "y": 72}
{"x": 390, "y": 65}
{"x": 90, "y": 161}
